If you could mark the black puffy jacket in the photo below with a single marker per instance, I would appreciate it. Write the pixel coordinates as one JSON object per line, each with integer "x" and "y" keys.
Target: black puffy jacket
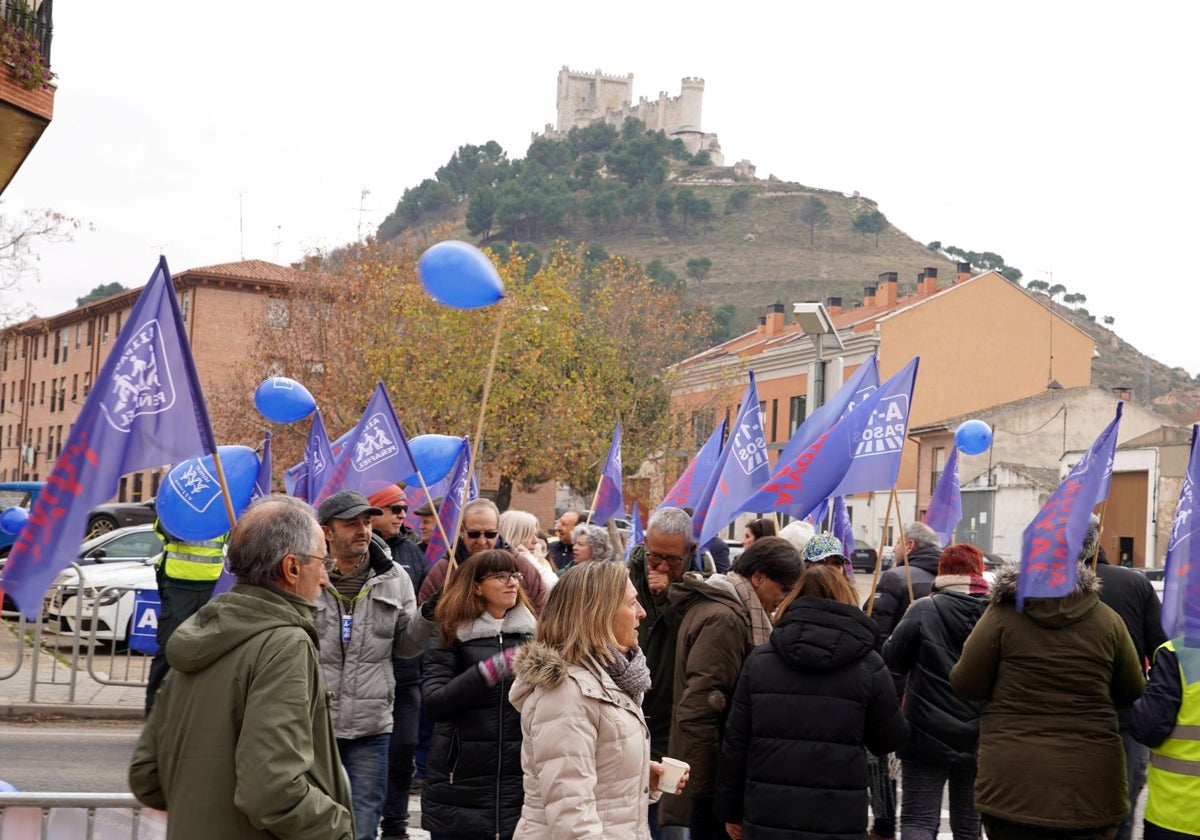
{"x": 473, "y": 784}
{"x": 925, "y": 645}
{"x": 793, "y": 763}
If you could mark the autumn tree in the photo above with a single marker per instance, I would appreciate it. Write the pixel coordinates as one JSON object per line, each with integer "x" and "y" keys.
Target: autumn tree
{"x": 585, "y": 342}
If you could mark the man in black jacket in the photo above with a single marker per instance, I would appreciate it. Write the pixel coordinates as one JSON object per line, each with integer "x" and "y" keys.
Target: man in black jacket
{"x": 1129, "y": 593}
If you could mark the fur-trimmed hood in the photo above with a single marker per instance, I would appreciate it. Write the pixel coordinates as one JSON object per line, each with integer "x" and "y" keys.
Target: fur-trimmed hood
{"x": 1050, "y": 612}
{"x": 540, "y": 666}
{"x": 517, "y": 621}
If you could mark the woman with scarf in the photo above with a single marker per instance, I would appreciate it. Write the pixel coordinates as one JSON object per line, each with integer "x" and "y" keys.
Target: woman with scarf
{"x": 579, "y": 687}
{"x": 473, "y": 773}
{"x": 944, "y": 728}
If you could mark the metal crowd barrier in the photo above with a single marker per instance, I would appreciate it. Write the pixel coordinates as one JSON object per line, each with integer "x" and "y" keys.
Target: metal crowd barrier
{"x": 78, "y": 816}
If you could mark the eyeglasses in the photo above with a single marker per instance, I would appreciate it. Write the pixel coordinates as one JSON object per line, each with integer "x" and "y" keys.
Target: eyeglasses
{"x": 474, "y": 535}
{"x": 398, "y": 509}
{"x": 505, "y": 577}
{"x": 328, "y": 562}
{"x": 654, "y": 559}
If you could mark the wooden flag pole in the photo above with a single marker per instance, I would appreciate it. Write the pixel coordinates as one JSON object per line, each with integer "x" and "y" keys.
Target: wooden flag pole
{"x": 1099, "y": 527}
{"x": 224, "y": 489}
{"x": 487, "y": 389}
{"x": 887, "y": 519}
{"x": 433, "y": 506}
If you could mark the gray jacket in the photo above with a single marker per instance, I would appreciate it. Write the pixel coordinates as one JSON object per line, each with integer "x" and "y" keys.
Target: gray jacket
{"x": 358, "y": 674}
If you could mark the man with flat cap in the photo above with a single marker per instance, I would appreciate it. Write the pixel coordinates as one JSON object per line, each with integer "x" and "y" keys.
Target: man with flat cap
{"x": 365, "y": 616}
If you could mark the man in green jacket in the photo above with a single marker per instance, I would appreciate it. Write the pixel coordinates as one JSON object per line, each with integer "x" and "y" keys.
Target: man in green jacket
{"x": 240, "y": 743}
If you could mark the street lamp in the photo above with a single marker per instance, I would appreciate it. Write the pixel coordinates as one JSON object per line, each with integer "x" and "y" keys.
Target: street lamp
{"x": 814, "y": 320}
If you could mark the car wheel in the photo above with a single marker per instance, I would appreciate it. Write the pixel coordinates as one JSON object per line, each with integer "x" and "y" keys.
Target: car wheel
{"x": 100, "y": 525}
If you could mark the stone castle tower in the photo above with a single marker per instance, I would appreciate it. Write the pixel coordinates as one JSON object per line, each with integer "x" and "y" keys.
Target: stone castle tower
{"x": 584, "y": 98}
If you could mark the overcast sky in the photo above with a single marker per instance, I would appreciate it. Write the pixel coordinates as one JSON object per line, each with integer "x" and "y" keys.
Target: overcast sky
{"x": 1059, "y": 135}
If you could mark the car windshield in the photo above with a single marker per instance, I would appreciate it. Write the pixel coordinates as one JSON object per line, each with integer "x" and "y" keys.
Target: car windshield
{"x": 13, "y": 498}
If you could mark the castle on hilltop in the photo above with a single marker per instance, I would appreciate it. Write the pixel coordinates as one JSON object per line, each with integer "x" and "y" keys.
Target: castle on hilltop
{"x": 584, "y": 98}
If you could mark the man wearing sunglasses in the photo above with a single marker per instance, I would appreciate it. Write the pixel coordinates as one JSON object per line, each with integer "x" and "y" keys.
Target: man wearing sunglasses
{"x": 479, "y": 530}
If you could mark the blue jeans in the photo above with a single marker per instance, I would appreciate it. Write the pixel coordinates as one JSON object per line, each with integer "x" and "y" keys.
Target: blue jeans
{"x": 665, "y": 832}
{"x": 366, "y": 763}
{"x": 921, "y": 805}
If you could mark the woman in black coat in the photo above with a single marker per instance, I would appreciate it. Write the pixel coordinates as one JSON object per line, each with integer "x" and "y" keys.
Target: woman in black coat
{"x": 473, "y": 783}
{"x": 925, "y": 645}
{"x": 807, "y": 703}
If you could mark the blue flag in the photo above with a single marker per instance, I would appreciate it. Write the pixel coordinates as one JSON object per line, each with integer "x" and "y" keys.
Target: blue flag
{"x": 1051, "y": 542}
{"x": 945, "y": 507}
{"x": 876, "y": 461}
{"x": 458, "y": 493}
{"x": 818, "y": 516}
{"x": 145, "y": 411}
{"x": 843, "y": 531}
{"x": 375, "y": 455}
{"x": 741, "y": 469}
{"x": 695, "y": 478}
{"x": 854, "y": 390}
{"x": 296, "y": 477}
{"x": 1181, "y": 590}
{"x": 262, "y": 483}
{"x": 637, "y": 536}
{"x": 798, "y": 486}
{"x": 609, "y": 499}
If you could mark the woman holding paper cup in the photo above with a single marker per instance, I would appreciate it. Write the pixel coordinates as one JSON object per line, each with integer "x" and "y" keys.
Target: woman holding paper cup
{"x": 579, "y": 687}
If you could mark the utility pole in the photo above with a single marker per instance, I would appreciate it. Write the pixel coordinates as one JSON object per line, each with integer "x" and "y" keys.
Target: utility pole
{"x": 362, "y": 200}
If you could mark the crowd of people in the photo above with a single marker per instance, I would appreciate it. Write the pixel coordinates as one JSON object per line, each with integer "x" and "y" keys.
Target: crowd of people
{"x": 535, "y": 688}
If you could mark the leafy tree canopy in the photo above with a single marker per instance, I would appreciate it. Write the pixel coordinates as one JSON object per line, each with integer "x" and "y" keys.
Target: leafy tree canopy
{"x": 99, "y": 293}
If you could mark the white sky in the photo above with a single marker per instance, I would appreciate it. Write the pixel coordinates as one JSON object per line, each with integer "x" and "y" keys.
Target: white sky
{"x": 1060, "y": 135}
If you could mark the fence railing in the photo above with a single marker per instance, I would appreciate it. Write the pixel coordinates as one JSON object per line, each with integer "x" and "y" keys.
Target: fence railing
{"x": 78, "y": 816}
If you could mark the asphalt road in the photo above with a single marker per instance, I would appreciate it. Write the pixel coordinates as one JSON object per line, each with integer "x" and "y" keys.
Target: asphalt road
{"x": 55, "y": 755}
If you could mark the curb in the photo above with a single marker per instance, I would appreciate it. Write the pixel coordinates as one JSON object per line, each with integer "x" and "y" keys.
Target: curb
{"x": 18, "y": 711}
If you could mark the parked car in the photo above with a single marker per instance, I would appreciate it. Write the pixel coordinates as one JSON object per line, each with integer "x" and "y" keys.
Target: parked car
{"x": 735, "y": 549}
{"x": 109, "y": 517}
{"x": 1157, "y": 578}
{"x": 16, "y": 494}
{"x": 124, "y": 559}
{"x": 863, "y": 558}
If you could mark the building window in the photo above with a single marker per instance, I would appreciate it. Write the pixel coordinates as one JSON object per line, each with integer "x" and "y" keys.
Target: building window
{"x": 939, "y": 466}
{"x": 119, "y": 314}
{"x": 185, "y": 304}
{"x": 797, "y": 413}
{"x": 702, "y": 426}
{"x": 91, "y": 333}
{"x": 154, "y": 480}
{"x": 774, "y": 420}
{"x": 57, "y": 344}
{"x": 87, "y": 383}
{"x": 45, "y": 345}
{"x": 123, "y": 489}
{"x": 104, "y": 330}
{"x": 277, "y": 313}
{"x": 78, "y": 330}
{"x": 137, "y": 487}
{"x": 74, "y": 387}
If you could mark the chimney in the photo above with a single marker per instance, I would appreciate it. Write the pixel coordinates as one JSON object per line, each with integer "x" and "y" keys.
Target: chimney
{"x": 888, "y": 292}
{"x": 928, "y": 284}
{"x": 869, "y": 296}
{"x": 1123, "y": 392}
{"x": 774, "y": 319}
{"x": 762, "y": 325}
{"x": 962, "y": 272}
{"x": 833, "y": 304}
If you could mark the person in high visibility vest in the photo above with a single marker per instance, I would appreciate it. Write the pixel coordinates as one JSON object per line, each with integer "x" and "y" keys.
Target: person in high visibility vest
{"x": 186, "y": 574}
{"x": 1167, "y": 720}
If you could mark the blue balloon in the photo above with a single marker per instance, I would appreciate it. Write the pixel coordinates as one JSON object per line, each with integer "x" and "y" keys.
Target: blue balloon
{"x": 435, "y": 456}
{"x": 973, "y": 437}
{"x": 13, "y": 520}
{"x": 283, "y": 400}
{"x": 459, "y": 275}
{"x": 190, "y": 504}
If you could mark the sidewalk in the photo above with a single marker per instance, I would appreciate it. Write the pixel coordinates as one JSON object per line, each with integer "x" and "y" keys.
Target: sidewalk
{"x": 52, "y": 696}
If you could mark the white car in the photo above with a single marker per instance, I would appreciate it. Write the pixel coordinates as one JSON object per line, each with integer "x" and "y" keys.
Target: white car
{"x": 117, "y": 564}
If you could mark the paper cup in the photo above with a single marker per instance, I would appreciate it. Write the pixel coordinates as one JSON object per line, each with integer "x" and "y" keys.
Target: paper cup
{"x": 673, "y": 770}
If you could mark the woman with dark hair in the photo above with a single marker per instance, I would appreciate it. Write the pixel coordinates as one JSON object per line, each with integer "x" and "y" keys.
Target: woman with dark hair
{"x": 756, "y": 530}
{"x": 944, "y": 728}
{"x": 793, "y": 762}
{"x": 473, "y": 784}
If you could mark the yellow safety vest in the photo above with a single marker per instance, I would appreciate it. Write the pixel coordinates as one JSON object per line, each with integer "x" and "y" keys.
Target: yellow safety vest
{"x": 195, "y": 561}
{"x": 1173, "y": 801}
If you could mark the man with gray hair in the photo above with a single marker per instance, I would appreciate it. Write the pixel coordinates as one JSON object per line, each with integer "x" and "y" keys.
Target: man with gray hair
{"x": 669, "y": 550}
{"x": 917, "y": 554}
{"x": 240, "y": 742}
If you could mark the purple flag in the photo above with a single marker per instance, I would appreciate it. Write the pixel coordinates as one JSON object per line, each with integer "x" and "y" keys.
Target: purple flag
{"x": 799, "y": 485}
{"x": 741, "y": 469}
{"x": 609, "y": 499}
{"x": 1051, "y": 542}
{"x": 854, "y": 390}
{"x": 145, "y": 411}
{"x": 636, "y": 536}
{"x": 691, "y": 484}
{"x": 1181, "y": 590}
{"x": 818, "y": 516}
{"x": 309, "y": 475}
{"x": 876, "y": 461}
{"x": 945, "y": 508}
{"x": 375, "y": 455}
{"x": 843, "y": 531}
{"x": 456, "y": 496}
{"x": 417, "y": 497}
{"x": 262, "y": 483}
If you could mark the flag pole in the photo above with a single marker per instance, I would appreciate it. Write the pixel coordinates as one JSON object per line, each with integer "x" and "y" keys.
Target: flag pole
{"x": 1099, "y": 527}
{"x": 224, "y": 489}
{"x": 487, "y": 389}
{"x": 436, "y": 513}
{"x": 887, "y": 520}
